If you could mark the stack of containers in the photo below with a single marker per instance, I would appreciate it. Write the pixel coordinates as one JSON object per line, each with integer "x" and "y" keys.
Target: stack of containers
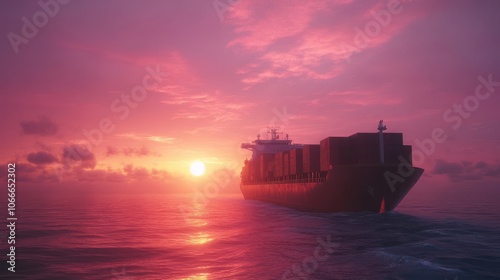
{"x": 296, "y": 161}
{"x": 278, "y": 164}
{"x": 266, "y": 164}
{"x": 286, "y": 164}
{"x": 310, "y": 158}
{"x": 334, "y": 151}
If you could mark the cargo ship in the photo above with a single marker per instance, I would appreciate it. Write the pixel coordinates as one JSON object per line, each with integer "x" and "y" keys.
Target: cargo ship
{"x": 362, "y": 172}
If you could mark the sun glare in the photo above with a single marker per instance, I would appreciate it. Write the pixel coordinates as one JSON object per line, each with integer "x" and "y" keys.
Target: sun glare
{"x": 197, "y": 168}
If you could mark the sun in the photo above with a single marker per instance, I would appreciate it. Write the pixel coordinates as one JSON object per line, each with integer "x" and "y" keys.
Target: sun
{"x": 197, "y": 168}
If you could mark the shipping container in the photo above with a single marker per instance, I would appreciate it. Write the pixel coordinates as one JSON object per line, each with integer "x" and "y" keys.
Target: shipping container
{"x": 296, "y": 161}
{"x": 335, "y": 151}
{"x": 310, "y": 158}
{"x": 270, "y": 167}
{"x": 393, "y": 147}
{"x": 250, "y": 170}
{"x": 286, "y": 164}
{"x": 255, "y": 170}
{"x": 366, "y": 147}
{"x": 266, "y": 161}
{"x": 278, "y": 164}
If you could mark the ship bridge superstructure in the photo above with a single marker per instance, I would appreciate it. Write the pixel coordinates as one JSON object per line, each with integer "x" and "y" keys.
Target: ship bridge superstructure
{"x": 273, "y": 145}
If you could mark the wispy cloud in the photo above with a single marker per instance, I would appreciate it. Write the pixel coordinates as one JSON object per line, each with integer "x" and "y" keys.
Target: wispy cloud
{"x": 309, "y": 40}
{"x": 75, "y": 155}
{"x": 153, "y": 138}
{"x": 128, "y": 152}
{"x": 214, "y": 107}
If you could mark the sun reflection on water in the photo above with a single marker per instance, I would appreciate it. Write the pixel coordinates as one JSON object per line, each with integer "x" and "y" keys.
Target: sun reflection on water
{"x": 199, "y": 276}
{"x": 200, "y": 238}
{"x": 196, "y": 218}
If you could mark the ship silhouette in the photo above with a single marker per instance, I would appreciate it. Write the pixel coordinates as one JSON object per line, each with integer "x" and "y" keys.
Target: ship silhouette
{"x": 362, "y": 172}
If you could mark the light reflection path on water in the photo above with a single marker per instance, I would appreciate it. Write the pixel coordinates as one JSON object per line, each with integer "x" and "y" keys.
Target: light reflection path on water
{"x": 196, "y": 218}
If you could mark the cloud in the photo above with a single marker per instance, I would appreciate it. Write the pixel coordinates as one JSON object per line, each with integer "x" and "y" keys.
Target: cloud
{"x": 43, "y": 127}
{"x": 41, "y": 158}
{"x": 444, "y": 167}
{"x": 79, "y": 172}
{"x": 112, "y": 151}
{"x": 136, "y": 173}
{"x": 313, "y": 40}
{"x": 466, "y": 170}
{"x": 26, "y": 168}
{"x": 128, "y": 152}
{"x": 280, "y": 36}
{"x": 99, "y": 175}
{"x": 78, "y": 155}
{"x": 127, "y": 174}
{"x": 154, "y": 138}
{"x": 27, "y": 172}
{"x": 215, "y": 106}
{"x": 137, "y": 152}
{"x": 260, "y": 24}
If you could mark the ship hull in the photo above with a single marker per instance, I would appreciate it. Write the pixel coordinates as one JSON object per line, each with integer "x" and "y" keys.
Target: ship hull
{"x": 355, "y": 188}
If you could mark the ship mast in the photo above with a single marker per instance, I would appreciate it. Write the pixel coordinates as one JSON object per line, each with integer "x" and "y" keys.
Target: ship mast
{"x": 274, "y": 131}
{"x": 381, "y": 128}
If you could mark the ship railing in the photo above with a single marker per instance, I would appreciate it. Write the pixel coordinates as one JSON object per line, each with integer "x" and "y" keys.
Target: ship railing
{"x": 290, "y": 181}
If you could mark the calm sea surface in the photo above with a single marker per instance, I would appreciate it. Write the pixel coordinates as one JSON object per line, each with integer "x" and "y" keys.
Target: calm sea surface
{"x": 432, "y": 235}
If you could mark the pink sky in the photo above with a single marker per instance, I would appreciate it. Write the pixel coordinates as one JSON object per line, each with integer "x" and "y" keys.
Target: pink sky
{"x": 326, "y": 68}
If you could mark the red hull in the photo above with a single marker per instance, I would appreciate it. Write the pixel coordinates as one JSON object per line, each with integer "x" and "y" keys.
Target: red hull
{"x": 349, "y": 188}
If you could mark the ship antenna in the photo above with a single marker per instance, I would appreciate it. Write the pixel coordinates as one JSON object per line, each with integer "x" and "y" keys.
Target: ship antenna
{"x": 273, "y": 131}
{"x": 381, "y": 128}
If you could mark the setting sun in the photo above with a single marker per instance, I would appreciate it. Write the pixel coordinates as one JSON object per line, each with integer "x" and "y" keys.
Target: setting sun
{"x": 197, "y": 168}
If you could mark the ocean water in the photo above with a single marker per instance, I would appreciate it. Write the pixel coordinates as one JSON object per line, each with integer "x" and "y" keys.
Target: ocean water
{"x": 164, "y": 236}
